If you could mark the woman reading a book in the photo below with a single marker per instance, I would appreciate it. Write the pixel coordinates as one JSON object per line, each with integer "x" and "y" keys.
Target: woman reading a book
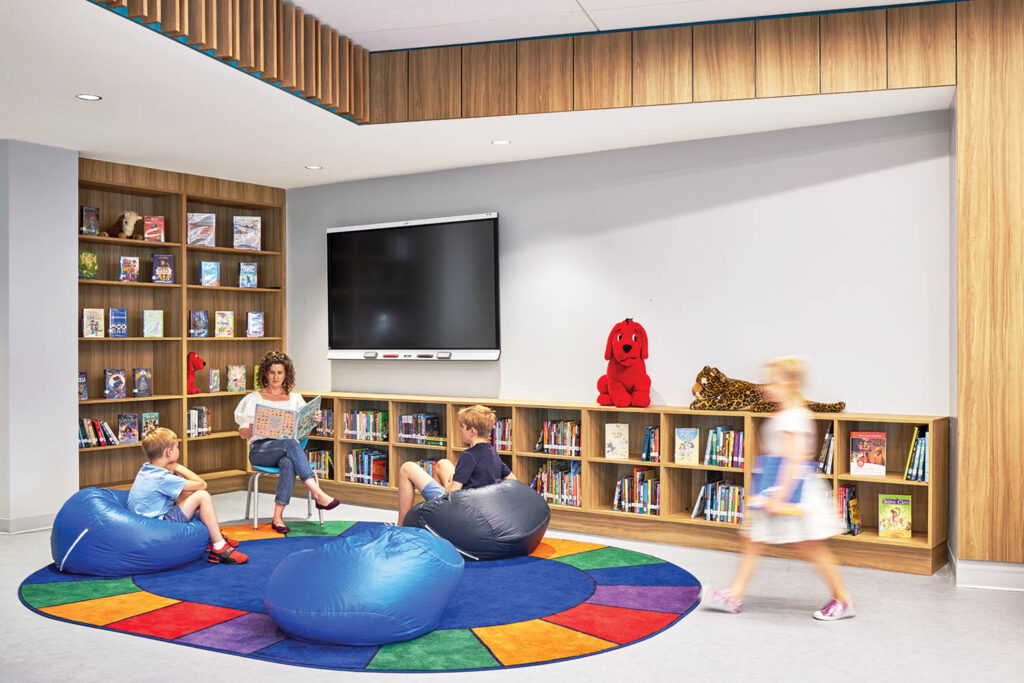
{"x": 276, "y": 376}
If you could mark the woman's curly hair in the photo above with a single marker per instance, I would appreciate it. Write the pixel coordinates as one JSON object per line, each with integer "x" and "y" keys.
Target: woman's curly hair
{"x": 276, "y": 358}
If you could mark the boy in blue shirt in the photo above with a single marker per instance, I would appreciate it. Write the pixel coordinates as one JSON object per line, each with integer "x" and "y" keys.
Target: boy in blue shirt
{"x": 165, "y": 489}
{"x": 479, "y": 465}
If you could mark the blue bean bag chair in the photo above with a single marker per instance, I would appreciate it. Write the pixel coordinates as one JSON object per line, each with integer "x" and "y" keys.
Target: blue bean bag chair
{"x": 507, "y": 519}
{"x": 95, "y": 533}
{"x": 380, "y": 584}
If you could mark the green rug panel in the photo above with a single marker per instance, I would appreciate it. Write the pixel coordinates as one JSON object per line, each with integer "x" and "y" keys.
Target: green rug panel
{"x": 604, "y": 558}
{"x": 314, "y": 529}
{"x": 435, "y": 651}
{"x": 41, "y": 595}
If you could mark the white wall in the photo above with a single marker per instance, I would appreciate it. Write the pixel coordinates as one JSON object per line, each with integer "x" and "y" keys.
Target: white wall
{"x": 832, "y": 242}
{"x": 38, "y": 360}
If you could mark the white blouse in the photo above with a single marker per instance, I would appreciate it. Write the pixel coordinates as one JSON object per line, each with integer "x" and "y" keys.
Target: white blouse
{"x": 245, "y": 412}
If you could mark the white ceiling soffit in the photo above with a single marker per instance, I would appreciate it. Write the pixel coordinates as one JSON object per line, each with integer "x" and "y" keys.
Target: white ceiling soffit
{"x": 398, "y": 24}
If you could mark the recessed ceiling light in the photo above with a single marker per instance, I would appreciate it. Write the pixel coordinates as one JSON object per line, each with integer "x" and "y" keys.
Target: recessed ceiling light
{"x": 89, "y": 98}
{"x": 313, "y": 167}
{"x": 501, "y": 142}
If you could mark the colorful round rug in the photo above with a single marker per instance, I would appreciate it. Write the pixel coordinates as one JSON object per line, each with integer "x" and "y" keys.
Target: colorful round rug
{"x": 568, "y": 599}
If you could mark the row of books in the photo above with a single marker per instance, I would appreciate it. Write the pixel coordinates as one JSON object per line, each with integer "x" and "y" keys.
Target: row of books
{"x": 115, "y": 383}
{"x": 558, "y": 481}
{"x": 366, "y": 425}
{"x": 128, "y": 268}
{"x": 501, "y": 435}
{"x": 152, "y": 226}
{"x": 326, "y": 426}
{"x": 428, "y": 466}
{"x": 197, "y": 422}
{"x": 639, "y": 493}
{"x": 828, "y": 449}
{"x": 849, "y": 509}
{"x": 421, "y": 428}
{"x": 209, "y": 274}
{"x": 92, "y": 322}
{"x": 724, "y": 448}
{"x": 367, "y": 466}
{"x": 322, "y": 463}
{"x": 235, "y": 377}
{"x": 917, "y": 460}
{"x": 720, "y": 501}
{"x": 559, "y": 437}
{"x": 199, "y": 324}
{"x": 202, "y": 231}
{"x": 652, "y": 445}
{"x": 93, "y": 433}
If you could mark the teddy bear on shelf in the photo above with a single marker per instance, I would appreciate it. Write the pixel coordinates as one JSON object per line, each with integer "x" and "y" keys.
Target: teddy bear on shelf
{"x": 626, "y": 383}
{"x": 124, "y": 226}
{"x": 193, "y": 363}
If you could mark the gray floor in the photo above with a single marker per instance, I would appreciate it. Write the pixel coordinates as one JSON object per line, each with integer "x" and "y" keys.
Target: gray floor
{"x": 909, "y": 628}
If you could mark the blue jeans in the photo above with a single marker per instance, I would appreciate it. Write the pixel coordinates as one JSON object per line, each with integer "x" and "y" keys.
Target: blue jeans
{"x": 287, "y": 455}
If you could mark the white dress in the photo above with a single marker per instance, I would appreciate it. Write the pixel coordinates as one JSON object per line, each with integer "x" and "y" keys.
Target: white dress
{"x": 819, "y": 520}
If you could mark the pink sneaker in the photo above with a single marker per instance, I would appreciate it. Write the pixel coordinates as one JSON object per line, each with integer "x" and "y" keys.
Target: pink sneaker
{"x": 835, "y": 610}
{"x": 723, "y": 602}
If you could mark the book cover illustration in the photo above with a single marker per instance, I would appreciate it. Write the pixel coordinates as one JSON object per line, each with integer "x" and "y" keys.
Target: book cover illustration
{"x": 128, "y": 428}
{"x": 152, "y": 323}
{"x": 254, "y": 324}
{"x": 225, "y": 324}
{"x": 88, "y": 265}
{"x": 284, "y": 423}
{"x": 765, "y": 484}
{"x": 129, "y": 270}
{"x": 150, "y": 421}
{"x": 114, "y": 384}
{"x": 894, "y": 519}
{"x": 247, "y": 275}
{"x": 214, "y": 380}
{"x": 90, "y": 220}
{"x": 616, "y": 441}
{"x": 209, "y": 273}
{"x": 687, "y": 445}
{"x": 153, "y": 228}
{"x": 856, "y": 526}
{"x": 236, "y": 378}
{"x": 867, "y": 453}
{"x": 118, "y": 322}
{"x": 142, "y": 382}
{"x": 83, "y": 386}
{"x": 92, "y": 322}
{"x": 199, "y": 324}
{"x": 247, "y": 232}
{"x": 163, "y": 268}
{"x": 202, "y": 229}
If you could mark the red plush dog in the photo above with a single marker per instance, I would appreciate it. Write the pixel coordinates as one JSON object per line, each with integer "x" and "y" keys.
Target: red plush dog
{"x": 194, "y": 363}
{"x": 626, "y": 383}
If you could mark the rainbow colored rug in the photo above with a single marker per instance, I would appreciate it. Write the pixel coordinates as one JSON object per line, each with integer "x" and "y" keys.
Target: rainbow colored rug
{"x": 568, "y": 599}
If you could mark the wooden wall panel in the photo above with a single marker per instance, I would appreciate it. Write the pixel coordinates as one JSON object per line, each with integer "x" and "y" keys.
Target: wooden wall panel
{"x": 602, "y": 70}
{"x": 922, "y": 45}
{"x": 723, "y": 61}
{"x": 247, "y": 34}
{"x": 146, "y": 10}
{"x": 227, "y": 24}
{"x": 663, "y": 66}
{"x": 544, "y": 74}
{"x": 311, "y": 57}
{"x": 990, "y": 280}
{"x": 343, "y": 70}
{"x": 289, "y": 46}
{"x": 361, "y": 82}
{"x": 788, "y": 57}
{"x": 389, "y": 83}
{"x": 327, "y": 64}
{"x": 173, "y": 17}
{"x": 435, "y": 83}
{"x": 196, "y": 23}
{"x": 272, "y": 39}
{"x": 853, "y": 51}
{"x": 300, "y": 50}
{"x": 489, "y": 79}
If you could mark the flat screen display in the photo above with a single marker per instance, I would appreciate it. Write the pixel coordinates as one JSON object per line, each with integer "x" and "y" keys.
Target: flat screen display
{"x": 414, "y": 286}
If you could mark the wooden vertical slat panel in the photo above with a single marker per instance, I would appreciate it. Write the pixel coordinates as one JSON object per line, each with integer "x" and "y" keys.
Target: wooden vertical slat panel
{"x": 272, "y": 38}
{"x": 435, "y": 83}
{"x": 853, "y": 51}
{"x": 300, "y": 50}
{"x": 210, "y": 17}
{"x": 362, "y": 84}
{"x": 172, "y": 17}
{"x": 544, "y": 75}
{"x": 723, "y": 61}
{"x": 247, "y": 34}
{"x": 289, "y": 47}
{"x": 663, "y": 66}
{"x": 787, "y": 57}
{"x": 327, "y": 60}
{"x": 116, "y": 3}
{"x": 922, "y": 46}
{"x": 602, "y": 70}
{"x": 389, "y": 83}
{"x": 343, "y": 70}
{"x": 489, "y": 79}
{"x": 227, "y": 30}
{"x": 195, "y": 23}
{"x": 310, "y": 57}
{"x": 257, "y": 35}
{"x": 147, "y": 10}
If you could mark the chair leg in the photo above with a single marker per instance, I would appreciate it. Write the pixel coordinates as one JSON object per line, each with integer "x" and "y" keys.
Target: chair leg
{"x": 256, "y": 500}
{"x": 248, "y": 498}
{"x": 309, "y": 498}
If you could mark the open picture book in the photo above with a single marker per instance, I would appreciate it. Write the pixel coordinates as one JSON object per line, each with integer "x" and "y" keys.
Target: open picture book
{"x": 284, "y": 423}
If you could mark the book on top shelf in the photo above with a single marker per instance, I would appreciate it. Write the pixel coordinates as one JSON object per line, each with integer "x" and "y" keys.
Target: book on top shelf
{"x": 247, "y": 232}
{"x": 214, "y": 380}
{"x": 129, "y": 269}
{"x": 153, "y": 228}
{"x": 142, "y": 381}
{"x": 687, "y": 445}
{"x": 92, "y": 322}
{"x": 83, "y": 386}
{"x": 202, "y": 229}
{"x": 247, "y": 275}
{"x": 254, "y": 324}
{"x": 128, "y": 428}
{"x": 616, "y": 441}
{"x": 152, "y": 323}
{"x": 118, "y": 322}
{"x": 90, "y": 220}
{"x": 114, "y": 383}
{"x": 198, "y": 324}
{"x": 209, "y": 273}
{"x": 867, "y": 454}
{"x": 236, "y": 378}
{"x": 163, "y": 269}
{"x": 88, "y": 265}
{"x": 150, "y": 421}
{"x": 225, "y": 324}
{"x": 894, "y": 516}
{"x": 284, "y": 423}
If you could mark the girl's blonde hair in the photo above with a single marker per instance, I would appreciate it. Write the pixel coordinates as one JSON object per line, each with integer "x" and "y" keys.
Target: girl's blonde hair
{"x": 789, "y": 369}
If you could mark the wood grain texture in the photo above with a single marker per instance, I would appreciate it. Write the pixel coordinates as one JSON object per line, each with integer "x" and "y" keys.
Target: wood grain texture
{"x": 328, "y": 44}
{"x": 787, "y": 57}
{"x": 361, "y": 85}
{"x": 922, "y": 45}
{"x": 663, "y": 66}
{"x": 990, "y": 280}
{"x": 853, "y": 51}
{"x": 603, "y": 70}
{"x": 247, "y": 34}
{"x": 173, "y": 15}
{"x": 227, "y": 28}
{"x": 544, "y": 74}
{"x": 489, "y": 79}
{"x": 389, "y": 83}
{"x": 300, "y": 50}
{"x": 289, "y": 47}
{"x": 435, "y": 83}
{"x": 723, "y": 61}
{"x": 311, "y": 58}
{"x": 343, "y": 72}
{"x": 149, "y": 11}
{"x": 196, "y": 23}
{"x": 272, "y": 35}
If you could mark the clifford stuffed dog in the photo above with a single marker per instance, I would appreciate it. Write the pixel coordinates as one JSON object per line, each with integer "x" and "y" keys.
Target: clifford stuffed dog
{"x": 194, "y": 363}
{"x": 626, "y": 383}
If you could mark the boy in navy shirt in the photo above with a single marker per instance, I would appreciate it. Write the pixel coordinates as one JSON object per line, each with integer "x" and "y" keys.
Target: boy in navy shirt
{"x": 479, "y": 465}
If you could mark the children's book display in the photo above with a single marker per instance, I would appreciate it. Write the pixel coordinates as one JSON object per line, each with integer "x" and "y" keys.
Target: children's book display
{"x": 867, "y": 454}
{"x": 828, "y": 450}
{"x": 90, "y": 220}
{"x": 153, "y": 228}
{"x": 88, "y": 265}
{"x": 129, "y": 269}
{"x": 94, "y": 433}
{"x": 501, "y": 435}
{"x": 559, "y": 437}
{"x": 421, "y": 428}
{"x": 92, "y": 322}
{"x": 687, "y": 445}
{"x": 214, "y": 380}
{"x": 247, "y": 275}
{"x": 724, "y": 447}
{"x": 225, "y": 324}
{"x": 321, "y": 462}
{"x": 209, "y": 273}
{"x": 128, "y": 428}
{"x": 142, "y": 382}
{"x": 917, "y": 460}
{"x": 198, "y": 324}
{"x": 616, "y": 441}
{"x": 639, "y": 493}
{"x": 894, "y": 518}
{"x": 254, "y": 324}
{"x": 114, "y": 383}
{"x": 651, "y": 451}
{"x": 197, "y": 422}
{"x": 247, "y": 232}
{"x": 163, "y": 269}
{"x": 558, "y": 482}
{"x": 118, "y": 322}
{"x": 150, "y": 421}
{"x": 153, "y": 323}
{"x": 284, "y": 423}
{"x": 367, "y": 466}
{"x": 202, "y": 229}
{"x": 366, "y": 425}
{"x": 236, "y": 378}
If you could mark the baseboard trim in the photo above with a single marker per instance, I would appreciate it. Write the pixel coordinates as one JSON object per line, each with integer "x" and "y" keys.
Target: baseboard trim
{"x": 1000, "y": 576}
{"x": 23, "y": 525}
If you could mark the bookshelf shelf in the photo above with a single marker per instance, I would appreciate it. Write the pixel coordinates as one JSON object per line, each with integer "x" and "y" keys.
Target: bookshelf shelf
{"x": 118, "y": 242}
{"x": 128, "y": 399}
{"x": 118, "y": 283}
{"x": 232, "y": 339}
{"x": 87, "y": 340}
{"x": 229, "y": 250}
{"x": 887, "y": 479}
{"x": 321, "y": 438}
{"x": 420, "y": 446}
{"x": 237, "y": 290}
{"x": 370, "y": 442}
{"x": 543, "y": 456}
{"x": 217, "y": 394}
{"x": 870, "y": 535}
{"x": 215, "y": 435}
{"x": 710, "y": 468}
{"x": 633, "y": 459}
{"x": 120, "y": 446}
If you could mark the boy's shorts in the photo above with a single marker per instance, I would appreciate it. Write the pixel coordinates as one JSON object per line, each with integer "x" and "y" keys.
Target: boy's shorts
{"x": 432, "y": 490}
{"x": 175, "y": 514}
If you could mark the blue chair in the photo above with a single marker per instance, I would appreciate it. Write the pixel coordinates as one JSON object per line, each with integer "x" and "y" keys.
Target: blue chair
{"x": 253, "y": 490}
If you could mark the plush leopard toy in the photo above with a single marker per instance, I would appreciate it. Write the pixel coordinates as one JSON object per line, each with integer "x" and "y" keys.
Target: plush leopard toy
{"x": 714, "y": 391}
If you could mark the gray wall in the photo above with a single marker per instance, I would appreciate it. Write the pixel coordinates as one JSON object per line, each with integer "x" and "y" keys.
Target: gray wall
{"x": 38, "y": 324}
{"x": 832, "y": 242}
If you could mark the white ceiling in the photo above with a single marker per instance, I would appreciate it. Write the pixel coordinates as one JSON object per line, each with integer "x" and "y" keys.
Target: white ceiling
{"x": 167, "y": 106}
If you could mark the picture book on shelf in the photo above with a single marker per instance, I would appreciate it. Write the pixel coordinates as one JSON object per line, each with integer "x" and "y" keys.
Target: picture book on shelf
{"x": 92, "y": 322}
{"x": 150, "y": 421}
{"x": 152, "y": 323}
{"x": 236, "y": 378}
{"x": 202, "y": 229}
{"x": 88, "y": 266}
{"x": 254, "y": 324}
{"x": 129, "y": 270}
{"x": 114, "y": 384}
{"x": 616, "y": 441}
{"x": 83, "y": 386}
{"x": 163, "y": 269}
{"x": 209, "y": 273}
{"x": 142, "y": 382}
{"x": 214, "y": 380}
{"x": 854, "y": 511}
{"x": 247, "y": 232}
{"x": 198, "y": 324}
{"x": 867, "y": 453}
{"x": 118, "y": 322}
{"x": 687, "y": 445}
{"x": 90, "y": 220}
{"x": 153, "y": 228}
{"x": 894, "y": 519}
{"x": 128, "y": 428}
{"x": 284, "y": 423}
{"x": 225, "y": 324}
{"x": 247, "y": 275}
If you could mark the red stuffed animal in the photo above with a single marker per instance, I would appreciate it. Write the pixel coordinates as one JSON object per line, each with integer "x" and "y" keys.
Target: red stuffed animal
{"x": 626, "y": 383}
{"x": 194, "y": 363}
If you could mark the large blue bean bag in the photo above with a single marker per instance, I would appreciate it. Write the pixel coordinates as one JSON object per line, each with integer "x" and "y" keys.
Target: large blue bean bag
{"x": 377, "y": 585}
{"x": 95, "y": 533}
{"x": 507, "y": 519}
